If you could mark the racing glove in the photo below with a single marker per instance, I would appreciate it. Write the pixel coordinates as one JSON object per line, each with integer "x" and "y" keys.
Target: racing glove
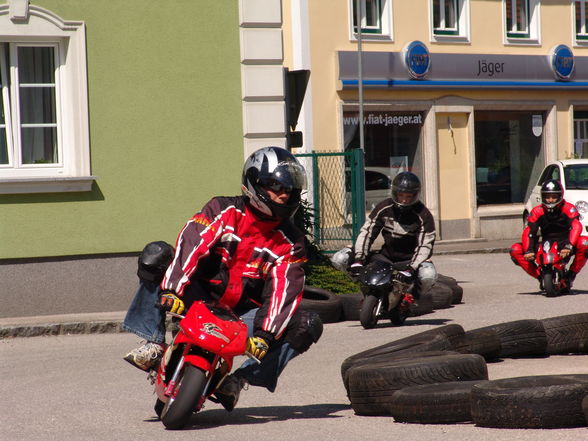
{"x": 529, "y": 256}
{"x": 405, "y": 276}
{"x": 257, "y": 347}
{"x": 171, "y": 303}
{"x": 566, "y": 251}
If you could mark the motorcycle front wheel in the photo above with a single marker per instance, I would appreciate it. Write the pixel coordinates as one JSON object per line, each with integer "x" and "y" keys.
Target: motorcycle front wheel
{"x": 367, "y": 315}
{"x": 179, "y": 408}
{"x": 550, "y": 284}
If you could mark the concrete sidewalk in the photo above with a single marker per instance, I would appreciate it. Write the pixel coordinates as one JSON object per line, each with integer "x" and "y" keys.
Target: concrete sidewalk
{"x": 103, "y": 322}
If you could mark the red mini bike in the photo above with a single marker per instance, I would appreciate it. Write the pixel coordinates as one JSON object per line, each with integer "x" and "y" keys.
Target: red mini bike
{"x": 552, "y": 268}
{"x": 197, "y": 361}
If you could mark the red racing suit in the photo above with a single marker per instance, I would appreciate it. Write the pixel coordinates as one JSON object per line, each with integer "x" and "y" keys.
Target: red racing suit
{"x": 562, "y": 226}
{"x": 227, "y": 252}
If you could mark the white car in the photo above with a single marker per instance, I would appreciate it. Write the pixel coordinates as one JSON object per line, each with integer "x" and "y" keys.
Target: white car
{"x": 573, "y": 175}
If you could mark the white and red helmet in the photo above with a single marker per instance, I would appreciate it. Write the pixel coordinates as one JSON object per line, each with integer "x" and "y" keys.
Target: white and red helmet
{"x": 275, "y": 168}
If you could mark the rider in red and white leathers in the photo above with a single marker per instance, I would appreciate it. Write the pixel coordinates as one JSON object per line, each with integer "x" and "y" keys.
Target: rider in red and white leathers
{"x": 245, "y": 252}
{"x": 553, "y": 220}
{"x": 228, "y": 252}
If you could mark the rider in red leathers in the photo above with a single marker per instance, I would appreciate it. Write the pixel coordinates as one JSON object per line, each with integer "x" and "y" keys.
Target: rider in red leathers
{"x": 553, "y": 220}
{"x": 244, "y": 252}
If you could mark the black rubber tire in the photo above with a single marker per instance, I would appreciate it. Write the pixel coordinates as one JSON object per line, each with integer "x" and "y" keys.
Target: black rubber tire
{"x": 438, "y": 403}
{"x": 442, "y": 338}
{"x": 585, "y": 407}
{"x": 456, "y": 289}
{"x": 550, "y": 285}
{"x": 567, "y": 334}
{"x": 520, "y": 338}
{"x": 325, "y": 303}
{"x": 351, "y": 304}
{"x": 367, "y": 314}
{"x": 158, "y": 408}
{"x": 541, "y": 402}
{"x": 484, "y": 342}
{"x": 176, "y": 414}
{"x": 442, "y": 296}
{"x": 371, "y": 387}
{"x": 424, "y": 305}
{"x": 398, "y": 316}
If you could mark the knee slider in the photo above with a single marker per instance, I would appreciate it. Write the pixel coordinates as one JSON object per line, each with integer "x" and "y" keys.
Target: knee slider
{"x": 154, "y": 260}
{"x": 307, "y": 329}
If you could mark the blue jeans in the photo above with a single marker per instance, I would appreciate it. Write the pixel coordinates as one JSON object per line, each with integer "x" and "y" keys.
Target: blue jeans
{"x": 147, "y": 321}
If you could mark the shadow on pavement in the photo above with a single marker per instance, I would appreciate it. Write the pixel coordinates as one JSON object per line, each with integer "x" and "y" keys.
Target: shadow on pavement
{"x": 258, "y": 415}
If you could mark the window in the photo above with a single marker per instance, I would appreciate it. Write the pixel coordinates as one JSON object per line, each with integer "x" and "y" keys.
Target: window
{"x": 44, "y": 136}
{"x": 522, "y": 20}
{"x": 581, "y": 134}
{"x": 581, "y": 21}
{"x": 375, "y": 18}
{"x": 393, "y": 144}
{"x": 29, "y": 126}
{"x": 445, "y": 17}
{"x": 449, "y": 19}
{"x": 509, "y": 154}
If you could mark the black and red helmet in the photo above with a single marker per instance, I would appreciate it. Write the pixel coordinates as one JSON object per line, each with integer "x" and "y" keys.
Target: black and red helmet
{"x": 551, "y": 188}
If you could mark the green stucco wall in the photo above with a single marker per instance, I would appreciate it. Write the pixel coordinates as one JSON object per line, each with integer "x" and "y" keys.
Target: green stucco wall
{"x": 165, "y": 128}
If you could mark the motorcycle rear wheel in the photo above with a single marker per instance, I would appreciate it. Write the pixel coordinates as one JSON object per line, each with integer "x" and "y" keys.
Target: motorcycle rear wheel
{"x": 550, "y": 285}
{"x": 367, "y": 315}
{"x": 190, "y": 387}
{"x": 399, "y": 316}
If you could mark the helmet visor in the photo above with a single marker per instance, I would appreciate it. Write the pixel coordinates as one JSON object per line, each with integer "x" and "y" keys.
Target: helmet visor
{"x": 286, "y": 176}
{"x": 551, "y": 199}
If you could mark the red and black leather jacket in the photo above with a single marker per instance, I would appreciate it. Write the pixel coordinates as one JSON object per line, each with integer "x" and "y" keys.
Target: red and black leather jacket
{"x": 229, "y": 253}
{"x": 562, "y": 226}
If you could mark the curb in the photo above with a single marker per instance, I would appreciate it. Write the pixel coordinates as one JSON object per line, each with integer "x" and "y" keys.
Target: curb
{"x": 92, "y": 327}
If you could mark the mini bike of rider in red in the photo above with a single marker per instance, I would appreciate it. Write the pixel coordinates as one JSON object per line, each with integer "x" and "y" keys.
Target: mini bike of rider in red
{"x": 552, "y": 269}
{"x": 197, "y": 361}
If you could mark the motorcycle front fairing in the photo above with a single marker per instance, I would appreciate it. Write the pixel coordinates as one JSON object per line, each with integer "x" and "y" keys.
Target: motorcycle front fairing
{"x": 215, "y": 329}
{"x": 208, "y": 334}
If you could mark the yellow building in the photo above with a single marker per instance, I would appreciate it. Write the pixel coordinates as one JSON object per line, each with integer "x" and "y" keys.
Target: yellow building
{"x": 475, "y": 96}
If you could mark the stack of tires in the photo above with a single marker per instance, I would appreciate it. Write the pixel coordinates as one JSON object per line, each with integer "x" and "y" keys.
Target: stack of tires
{"x": 441, "y": 376}
{"x": 346, "y": 307}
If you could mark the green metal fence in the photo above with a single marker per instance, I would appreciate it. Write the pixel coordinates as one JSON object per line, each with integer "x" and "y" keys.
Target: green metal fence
{"x": 338, "y": 198}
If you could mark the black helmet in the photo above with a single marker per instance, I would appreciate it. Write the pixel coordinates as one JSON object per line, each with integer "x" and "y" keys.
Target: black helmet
{"x": 551, "y": 188}
{"x": 406, "y": 182}
{"x": 273, "y": 167}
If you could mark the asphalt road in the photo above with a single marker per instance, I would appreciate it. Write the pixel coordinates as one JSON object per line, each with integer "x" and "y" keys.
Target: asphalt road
{"x": 79, "y": 388}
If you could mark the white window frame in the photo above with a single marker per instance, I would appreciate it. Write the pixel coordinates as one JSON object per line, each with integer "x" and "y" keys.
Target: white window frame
{"x": 384, "y": 32}
{"x": 35, "y": 26}
{"x": 580, "y": 35}
{"x": 531, "y": 34}
{"x": 461, "y": 32}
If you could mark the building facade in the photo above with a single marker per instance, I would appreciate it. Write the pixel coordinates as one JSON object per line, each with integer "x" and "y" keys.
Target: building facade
{"x": 474, "y": 96}
{"x": 119, "y": 121}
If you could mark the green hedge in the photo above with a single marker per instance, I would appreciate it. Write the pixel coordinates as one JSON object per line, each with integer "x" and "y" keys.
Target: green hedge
{"x": 322, "y": 275}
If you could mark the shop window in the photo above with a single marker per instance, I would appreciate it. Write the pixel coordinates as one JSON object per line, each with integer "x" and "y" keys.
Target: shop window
{"x": 581, "y": 21}
{"x": 449, "y": 18}
{"x": 44, "y": 136}
{"x": 392, "y": 143}
{"x": 375, "y": 22}
{"x": 522, "y": 20}
{"x": 509, "y": 155}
